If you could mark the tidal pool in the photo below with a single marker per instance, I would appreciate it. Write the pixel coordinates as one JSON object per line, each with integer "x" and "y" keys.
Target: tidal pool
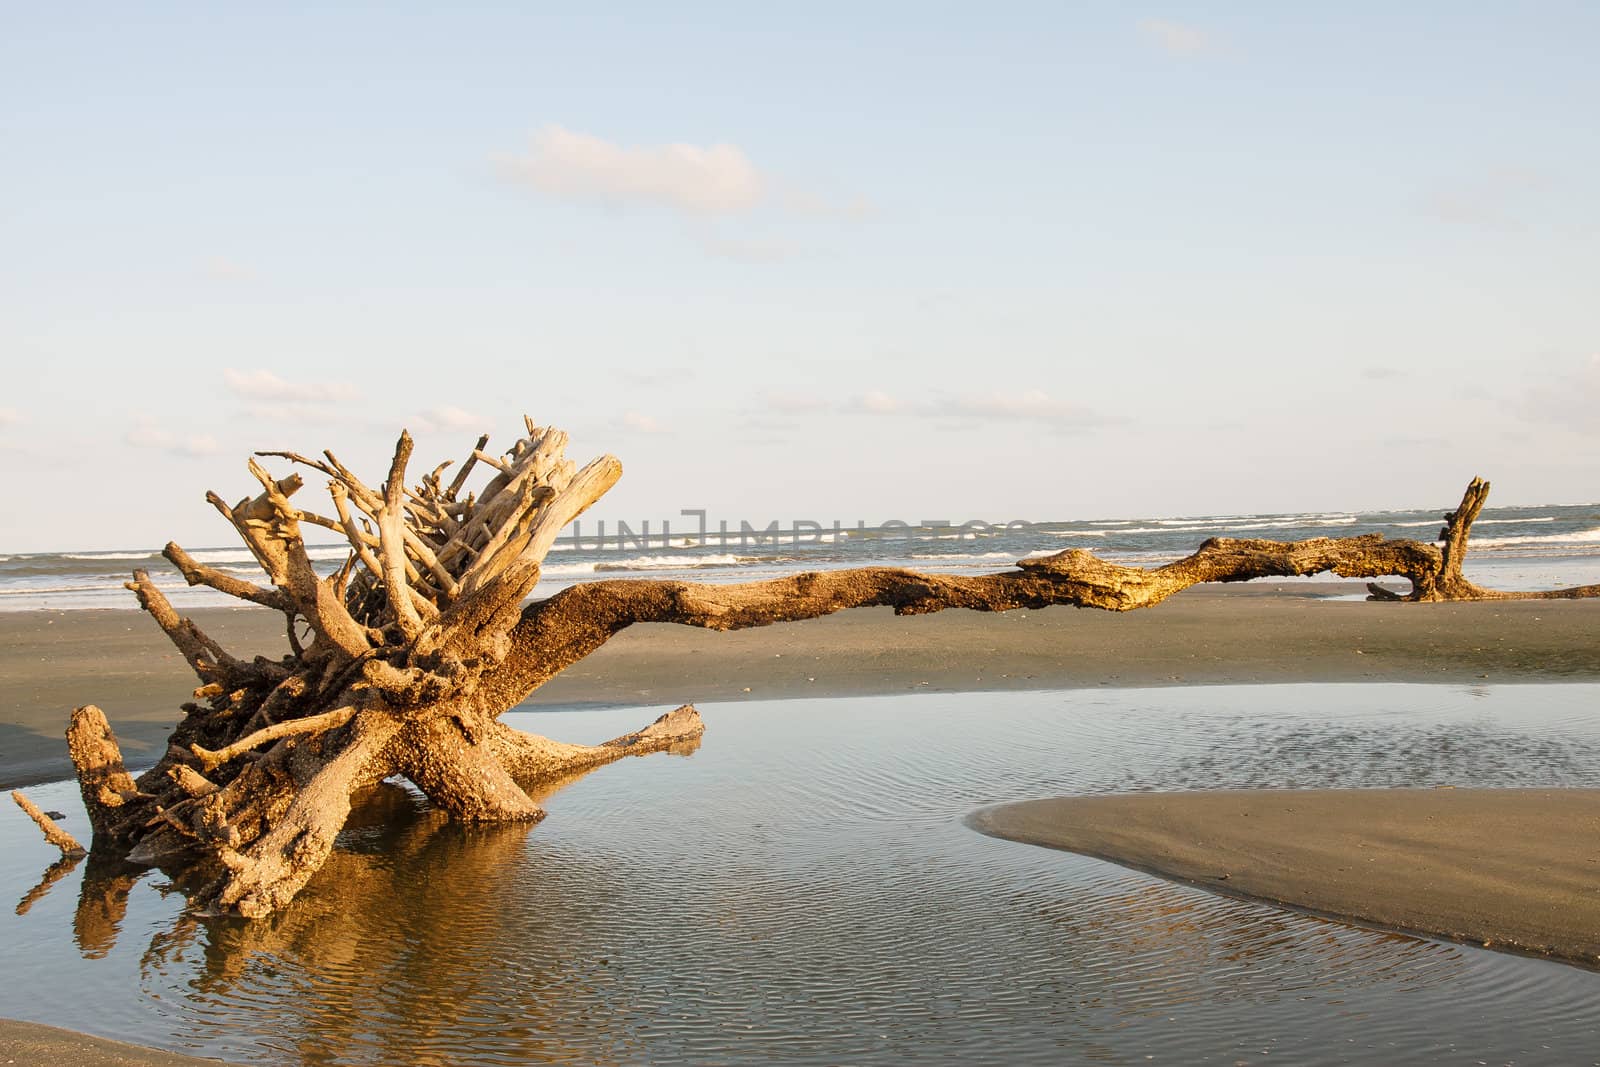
{"x": 804, "y": 889}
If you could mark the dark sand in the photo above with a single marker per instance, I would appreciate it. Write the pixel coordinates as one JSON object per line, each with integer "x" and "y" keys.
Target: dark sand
{"x": 51, "y": 662}
{"x": 1510, "y": 868}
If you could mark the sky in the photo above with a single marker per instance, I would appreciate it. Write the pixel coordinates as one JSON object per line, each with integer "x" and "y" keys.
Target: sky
{"x": 821, "y": 261}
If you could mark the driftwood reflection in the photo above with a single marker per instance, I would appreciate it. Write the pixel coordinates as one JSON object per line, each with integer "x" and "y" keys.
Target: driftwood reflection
{"x": 400, "y": 924}
{"x": 405, "y": 922}
{"x": 52, "y": 874}
{"x": 103, "y": 904}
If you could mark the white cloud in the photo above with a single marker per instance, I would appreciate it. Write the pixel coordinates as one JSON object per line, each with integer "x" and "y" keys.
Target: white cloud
{"x": 641, "y": 423}
{"x": 266, "y": 386}
{"x": 274, "y": 399}
{"x": 718, "y": 179}
{"x": 448, "y": 417}
{"x": 874, "y": 402}
{"x": 223, "y": 269}
{"x": 1179, "y": 39}
{"x": 146, "y": 434}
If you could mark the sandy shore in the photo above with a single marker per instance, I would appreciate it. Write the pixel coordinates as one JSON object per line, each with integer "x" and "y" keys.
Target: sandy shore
{"x": 51, "y": 662}
{"x": 1512, "y": 868}
{"x": 47, "y": 1046}
{"x": 1509, "y": 866}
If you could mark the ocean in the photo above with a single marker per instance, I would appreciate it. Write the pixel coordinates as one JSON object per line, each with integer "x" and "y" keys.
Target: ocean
{"x": 1515, "y": 547}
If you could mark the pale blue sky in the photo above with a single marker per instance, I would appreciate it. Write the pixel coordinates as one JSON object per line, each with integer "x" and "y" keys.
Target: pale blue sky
{"x": 996, "y": 261}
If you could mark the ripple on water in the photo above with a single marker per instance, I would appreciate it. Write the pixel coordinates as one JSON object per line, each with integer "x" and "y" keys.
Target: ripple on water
{"x": 803, "y": 889}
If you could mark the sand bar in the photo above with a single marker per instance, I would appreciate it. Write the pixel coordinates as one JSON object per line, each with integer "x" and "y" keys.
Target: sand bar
{"x": 1261, "y": 632}
{"x": 1511, "y": 868}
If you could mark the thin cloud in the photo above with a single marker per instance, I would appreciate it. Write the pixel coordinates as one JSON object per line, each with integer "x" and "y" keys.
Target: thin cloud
{"x": 660, "y": 377}
{"x": 747, "y": 250}
{"x": 791, "y": 403}
{"x": 1567, "y": 396}
{"x": 274, "y": 399}
{"x": 1179, "y": 39}
{"x": 145, "y": 433}
{"x": 448, "y": 418}
{"x": 1380, "y": 373}
{"x": 716, "y": 179}
{"x": 807, "y": 204}
{"x": 1033, "y": 405}
{"x": 1491, "y": 200}
{"x": 717, "y": 186}
{"x": 264, "y": 385}
{"x": 222, "y": 269}
{"x": 1030, "y": 406}
{"x": 874, "y": 402}
{"x": 641, "y": 423}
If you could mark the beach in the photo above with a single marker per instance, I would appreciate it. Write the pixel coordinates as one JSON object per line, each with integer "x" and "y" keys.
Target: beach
{"x": 32, "y": 1043}
{"x": 1506, "y": 867}
{"x": 1510, "y": 868}
{"x": 53, "y": 661}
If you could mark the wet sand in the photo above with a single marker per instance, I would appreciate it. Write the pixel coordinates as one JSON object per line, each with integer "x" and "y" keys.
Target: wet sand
{"x": 1510, "y": 868}
{"x": 47, "y": 1046}
{"x": 1501, "y": 866}
{"x": 51, "y": 662}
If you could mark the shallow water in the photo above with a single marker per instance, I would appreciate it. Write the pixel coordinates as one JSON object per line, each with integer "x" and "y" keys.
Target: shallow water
{"x": 804, "y": 889}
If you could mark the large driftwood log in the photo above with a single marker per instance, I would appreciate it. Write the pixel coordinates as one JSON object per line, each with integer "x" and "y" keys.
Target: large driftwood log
{"x": 415, "y": 646}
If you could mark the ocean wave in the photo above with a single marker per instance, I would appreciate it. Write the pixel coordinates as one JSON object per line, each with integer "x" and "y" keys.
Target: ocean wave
{"x": 657, "y": 563}
{"x": 1207, "y": 528}
{"x": 1476, "y": 523}
{"x": 1591, "y": 536}
{"x": 222, "y": 555}
{"x": 963, "y": 555}
{"x": 98, "y": 556}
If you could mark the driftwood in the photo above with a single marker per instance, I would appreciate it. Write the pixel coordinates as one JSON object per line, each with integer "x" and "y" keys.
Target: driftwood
{"x": 422, "y": 639}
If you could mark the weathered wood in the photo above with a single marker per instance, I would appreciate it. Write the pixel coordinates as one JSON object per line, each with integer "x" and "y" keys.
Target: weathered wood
{"x": 311, "y": 724}
{"x": 52, "y": 833}
{"x": 108, "y": 789}
{"x": 196, "y": 573}
{"x": 392, "y": 542}
{"x": 422, "y": 638}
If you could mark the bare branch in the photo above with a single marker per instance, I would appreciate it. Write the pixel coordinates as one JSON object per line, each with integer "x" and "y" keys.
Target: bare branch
{"x": 393, "y": 542}
{"x": 52, "y": 833}
{"x": 466, "y": 468}
{"x": 311, "y": 724}
{"x": 555, "y": 633}
{"x": 204, "y": 656}
{"x": 196, "y": 573}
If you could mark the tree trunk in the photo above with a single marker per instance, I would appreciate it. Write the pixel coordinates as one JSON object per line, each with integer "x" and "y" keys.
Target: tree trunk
{"x": 421, "y": 640}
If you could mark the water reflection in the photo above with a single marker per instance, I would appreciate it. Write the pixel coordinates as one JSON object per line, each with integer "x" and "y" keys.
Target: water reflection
{"x": 804, "y": 890}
